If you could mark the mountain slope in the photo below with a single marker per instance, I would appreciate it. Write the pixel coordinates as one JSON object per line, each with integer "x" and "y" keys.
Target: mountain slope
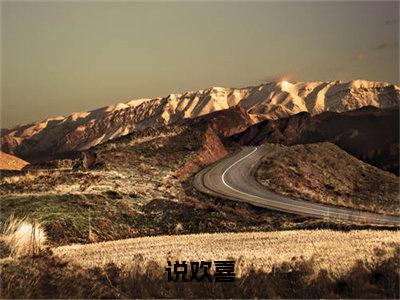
{"x": 81, "y": 131}
{"x": 368, "y": 133}
{"x": 323, "y": 173}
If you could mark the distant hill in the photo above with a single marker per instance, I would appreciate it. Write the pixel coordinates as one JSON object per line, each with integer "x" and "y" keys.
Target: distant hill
{"x": 324, "y": 173}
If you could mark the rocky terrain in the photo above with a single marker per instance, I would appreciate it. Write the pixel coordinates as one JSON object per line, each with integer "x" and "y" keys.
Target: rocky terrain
{"x": 81, "y": 131}
{"x": 136, "y": 185}
{"x": 140, "y": 185}
{"x": 369, "y": 134}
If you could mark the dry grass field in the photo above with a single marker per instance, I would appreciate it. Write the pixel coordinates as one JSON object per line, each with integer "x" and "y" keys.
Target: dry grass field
{"x": 285, "y": 264}
{"x": 366, "y": 264}
{"x": 333, "y": 250}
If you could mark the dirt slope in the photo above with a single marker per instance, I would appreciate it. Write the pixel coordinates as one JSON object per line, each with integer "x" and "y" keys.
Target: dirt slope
{"x": 10, "y": 162}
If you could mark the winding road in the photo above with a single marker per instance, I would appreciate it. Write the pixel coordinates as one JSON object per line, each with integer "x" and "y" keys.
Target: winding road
{"x": 233, "y": 178}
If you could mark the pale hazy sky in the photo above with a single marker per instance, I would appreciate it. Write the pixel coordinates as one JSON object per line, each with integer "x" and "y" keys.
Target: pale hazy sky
{"x": 60, "y": 57}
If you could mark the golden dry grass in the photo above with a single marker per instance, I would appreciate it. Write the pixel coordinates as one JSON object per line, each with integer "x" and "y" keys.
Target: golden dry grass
{"x": 333, "y": 250}
{"x": 49, "y": 277}
{"x": 23, "y": 236}
{"x": 28, "y": 177}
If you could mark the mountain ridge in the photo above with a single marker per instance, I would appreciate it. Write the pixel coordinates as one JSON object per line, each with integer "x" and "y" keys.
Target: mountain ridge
{"x": 82, "y": 130}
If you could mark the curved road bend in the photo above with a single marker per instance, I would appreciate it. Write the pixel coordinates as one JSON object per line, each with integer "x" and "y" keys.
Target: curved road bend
{"x": 233, "y": 178}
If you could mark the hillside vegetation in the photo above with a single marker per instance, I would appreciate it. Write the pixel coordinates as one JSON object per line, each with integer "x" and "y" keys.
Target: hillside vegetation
{"x": 324, "y": 173}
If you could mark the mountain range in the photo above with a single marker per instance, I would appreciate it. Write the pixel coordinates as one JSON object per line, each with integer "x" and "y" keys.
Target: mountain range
{"x": 270, "y": 101}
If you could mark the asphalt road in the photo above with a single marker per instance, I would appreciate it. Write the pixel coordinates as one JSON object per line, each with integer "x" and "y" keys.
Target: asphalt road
{"x": 233, "y": 178}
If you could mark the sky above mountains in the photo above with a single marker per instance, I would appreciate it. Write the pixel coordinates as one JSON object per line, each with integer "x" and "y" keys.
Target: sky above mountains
{"x": 76, "y": 56}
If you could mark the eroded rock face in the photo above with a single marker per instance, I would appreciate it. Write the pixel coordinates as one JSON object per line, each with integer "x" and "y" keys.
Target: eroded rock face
{"x": 215, "y": 128}
{"x": 369, "y": 133}
{"x": 273, "y": 100}
{"x": 88, "y": 161}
